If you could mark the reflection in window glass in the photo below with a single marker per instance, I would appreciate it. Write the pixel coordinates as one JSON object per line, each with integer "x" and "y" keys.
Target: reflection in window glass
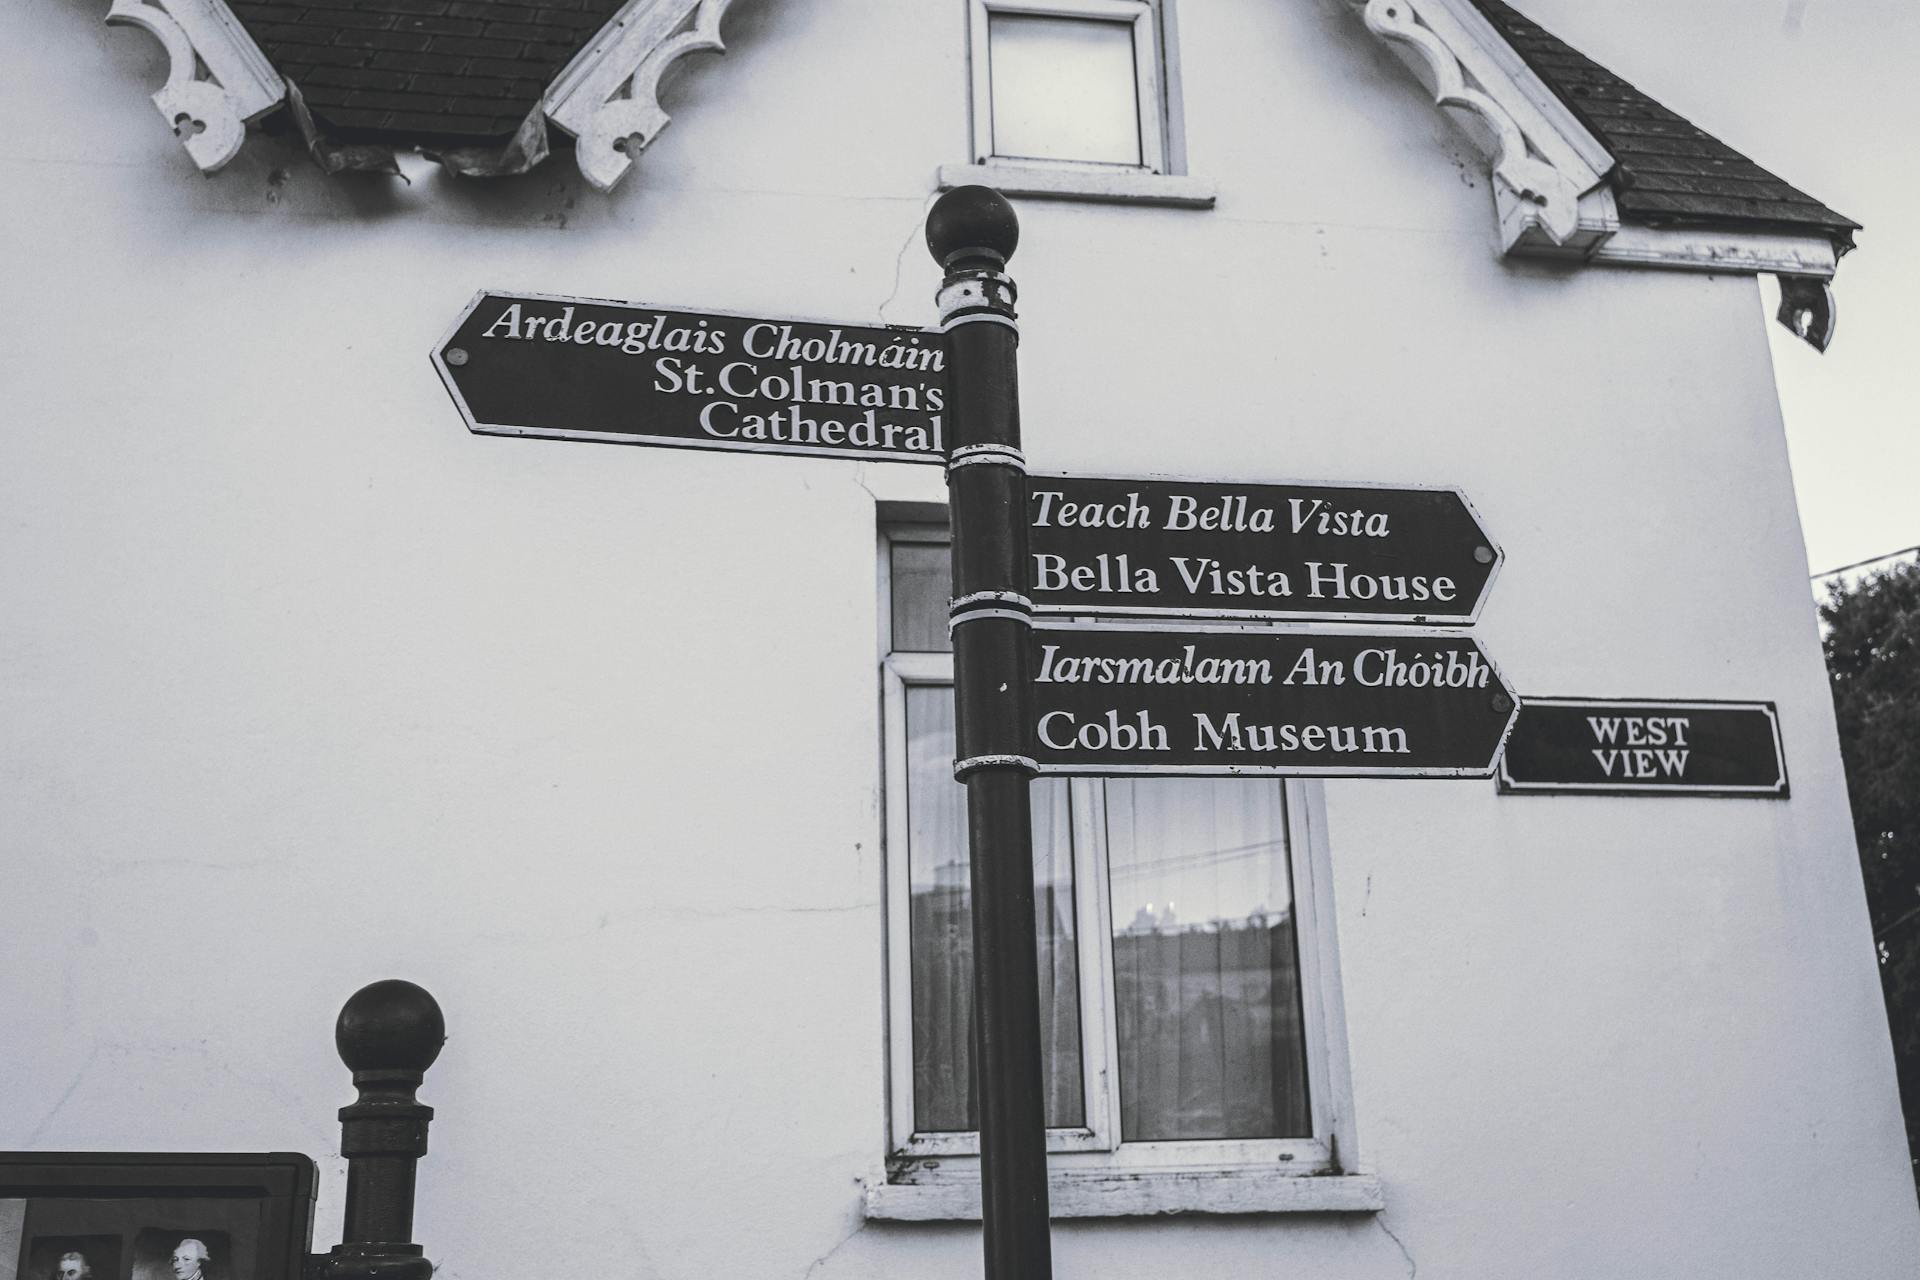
{"x": 1063, "y": 89}
{"x": 1206, "y": 974}
{"x": 941, "y": 922}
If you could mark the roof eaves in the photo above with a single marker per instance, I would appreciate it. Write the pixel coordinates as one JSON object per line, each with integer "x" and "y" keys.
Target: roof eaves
{"x": 1586, "y": 168}
{"x": 1723, "y": 189}
{"x": 472, "y": 84}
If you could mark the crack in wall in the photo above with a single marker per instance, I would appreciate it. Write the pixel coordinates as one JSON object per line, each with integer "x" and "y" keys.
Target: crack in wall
{"x": 915, "y": 236}
{"x": 60, "y": 1104}
{"x": 843, "y": 1242}
{"x": 1413, "y": 1268}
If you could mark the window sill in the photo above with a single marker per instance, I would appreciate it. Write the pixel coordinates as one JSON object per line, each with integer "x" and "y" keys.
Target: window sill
{"x": 1113, "y": 1194}
{"x": 1117, "y": 186}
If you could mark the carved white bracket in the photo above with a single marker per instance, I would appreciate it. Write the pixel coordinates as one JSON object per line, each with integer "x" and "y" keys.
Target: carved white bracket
{"x": 209, "y": 115}
{"x": 1542, "y": 196}
{"x": 608, "y": 97}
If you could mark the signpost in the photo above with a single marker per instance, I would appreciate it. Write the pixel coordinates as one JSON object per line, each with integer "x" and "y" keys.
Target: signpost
{"x": 589, "y": 369}
{"x": 1612, "y": 746}
{"x": 971, "y": 232}
{"x": 1399, "y": 705}
{"x": 1205, "y": 550}
{"x": 1155, "y": 697}
{"x": 1158, "y": 698}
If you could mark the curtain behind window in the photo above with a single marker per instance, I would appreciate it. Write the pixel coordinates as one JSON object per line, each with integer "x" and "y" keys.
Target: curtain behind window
{"x": 942, "y": 932}
{"x": 1206, "y": 974}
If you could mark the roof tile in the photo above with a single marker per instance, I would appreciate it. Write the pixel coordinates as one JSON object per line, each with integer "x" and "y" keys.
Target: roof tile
{"x": 438, "y": 26}
{"x": 356, "y": 78}
{"x": 352, "y": 39}
{"x": 420, "y": 62}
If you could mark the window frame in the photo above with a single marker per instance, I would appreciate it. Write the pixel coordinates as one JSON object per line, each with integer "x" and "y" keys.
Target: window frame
{"x": 1150, "y": 96}
{"x": 1098, "y": 1146}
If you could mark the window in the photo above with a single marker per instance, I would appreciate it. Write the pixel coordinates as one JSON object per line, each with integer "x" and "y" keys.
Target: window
{"x": 1076, "y": 98}
{"x": 1075, "y": 82}
{"x": 1189, "y": 1016}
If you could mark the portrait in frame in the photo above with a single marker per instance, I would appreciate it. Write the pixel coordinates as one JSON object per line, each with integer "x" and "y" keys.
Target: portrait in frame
{"x": 154, "y": 1216}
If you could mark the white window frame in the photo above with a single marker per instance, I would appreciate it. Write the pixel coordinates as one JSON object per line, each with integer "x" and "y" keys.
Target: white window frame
{"x": 1148, "y": 92}
{"x": 1160, "y": 178}
{"x": 933, "y": 1175}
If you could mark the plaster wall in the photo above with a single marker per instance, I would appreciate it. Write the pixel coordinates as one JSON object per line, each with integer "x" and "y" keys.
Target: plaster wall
{"x": 304, "y": 686}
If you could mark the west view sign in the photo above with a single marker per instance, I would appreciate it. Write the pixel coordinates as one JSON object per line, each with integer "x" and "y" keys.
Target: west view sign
{"x": 591, "y": 369}
{"x": 1171, "y": 549}
{"x": 1171, "y": 701}
{"x": 1619, "y": 747}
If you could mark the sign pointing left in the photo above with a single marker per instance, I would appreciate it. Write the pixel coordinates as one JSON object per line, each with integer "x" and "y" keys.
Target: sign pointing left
{"x": 592, "y": 369}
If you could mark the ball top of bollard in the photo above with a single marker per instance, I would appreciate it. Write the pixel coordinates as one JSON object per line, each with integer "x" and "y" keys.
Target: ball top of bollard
{"x": 390, "y": 1026}
{"x": 971, "y": 218}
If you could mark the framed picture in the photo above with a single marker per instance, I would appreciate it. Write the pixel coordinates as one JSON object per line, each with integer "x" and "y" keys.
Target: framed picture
{"x": 154, "y": 1216}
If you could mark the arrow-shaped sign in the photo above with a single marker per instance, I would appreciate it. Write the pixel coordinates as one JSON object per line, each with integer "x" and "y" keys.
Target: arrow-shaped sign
{"x": 1404, "y": 704}
{"x": 590, "y": 369}
{"x": 1204, "y": 550}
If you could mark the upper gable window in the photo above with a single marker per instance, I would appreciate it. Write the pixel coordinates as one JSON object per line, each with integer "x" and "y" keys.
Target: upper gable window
{"x": 1076, "y": 82}
{"x": 1076, "y": 99}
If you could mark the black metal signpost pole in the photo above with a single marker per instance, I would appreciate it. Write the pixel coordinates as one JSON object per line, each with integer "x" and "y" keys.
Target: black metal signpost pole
{"x": 972, "y": 232}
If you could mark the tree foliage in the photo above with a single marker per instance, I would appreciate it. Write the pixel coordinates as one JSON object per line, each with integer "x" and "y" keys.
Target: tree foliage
{"x": 1873, "y": 664}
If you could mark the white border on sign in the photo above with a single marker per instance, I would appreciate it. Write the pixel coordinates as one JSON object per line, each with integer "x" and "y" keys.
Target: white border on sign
{"x": 1203, "y": 616}
{"x": 438, "y": 356}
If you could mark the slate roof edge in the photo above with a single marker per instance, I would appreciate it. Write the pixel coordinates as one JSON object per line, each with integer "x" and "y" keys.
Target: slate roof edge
{"x": 1563, "y": 190}
{"x": 1818, "y": 218}
{"x": 1536, "y": 90}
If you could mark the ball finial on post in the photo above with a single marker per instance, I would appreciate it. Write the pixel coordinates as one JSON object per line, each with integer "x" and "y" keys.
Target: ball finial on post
{"x": 391, "y": 1025}
{"x": 969, "y": 222}
{"x": 388, "y": 1034}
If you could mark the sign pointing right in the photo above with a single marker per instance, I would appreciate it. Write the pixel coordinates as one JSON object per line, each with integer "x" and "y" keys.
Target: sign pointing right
{"x": 1345, "y": 704}
{"x": 1205, "y": 550}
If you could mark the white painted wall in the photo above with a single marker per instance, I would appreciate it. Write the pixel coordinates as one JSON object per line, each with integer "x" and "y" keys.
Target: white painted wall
{"x": 302, "y": 685}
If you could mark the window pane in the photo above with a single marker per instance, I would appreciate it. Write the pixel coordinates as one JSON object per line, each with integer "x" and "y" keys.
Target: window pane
{"x": 920, "y": 576}
{"x": 1063, "y": 89}
{"x": 1206, "y": 976}
{"x": 942, "y": 931}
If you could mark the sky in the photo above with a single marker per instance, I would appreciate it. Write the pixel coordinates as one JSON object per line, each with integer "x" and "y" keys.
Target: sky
{"x": 1826, "y": 95}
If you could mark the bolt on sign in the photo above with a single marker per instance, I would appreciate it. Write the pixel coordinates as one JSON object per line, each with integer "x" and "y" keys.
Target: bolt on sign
{"x": 1163, "y": 548}
{"x": 591, "y": 369}
{"x": 1406, "y": 704}
{"x": 1567, "y": 746}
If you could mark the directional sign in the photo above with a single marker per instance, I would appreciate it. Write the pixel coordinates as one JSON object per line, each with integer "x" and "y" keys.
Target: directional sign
{"x": 1640, "y": 747}
{"x": 1169, "y": 701}
{"x": 1188, "y": 549}
{"x": 588, "y": 369}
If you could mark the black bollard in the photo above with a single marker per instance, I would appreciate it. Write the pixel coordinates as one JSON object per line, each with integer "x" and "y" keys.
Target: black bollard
{"x": 388, "y": 1034}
